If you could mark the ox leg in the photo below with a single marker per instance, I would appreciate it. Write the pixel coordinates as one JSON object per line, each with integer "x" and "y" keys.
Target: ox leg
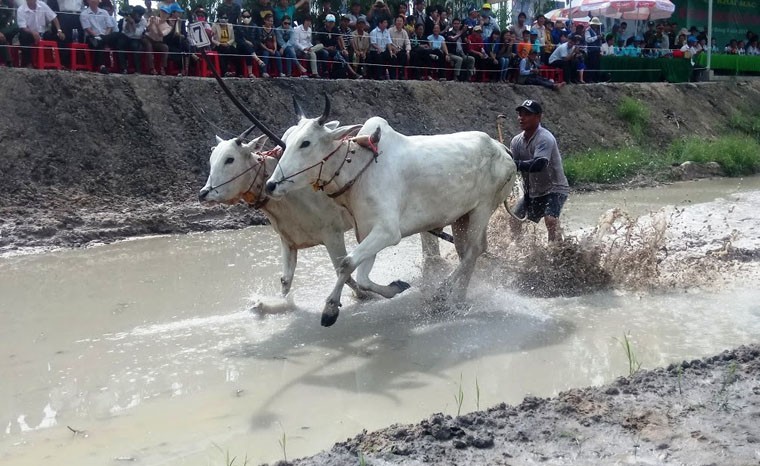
{"x": 470, "y": 242}
{"x": 431, "y": 250}
{"x": 378, "y": 239}
{"x": 289, "y": 260}
{"x": 336, "y": 248}
{"x": 362, "y": 278}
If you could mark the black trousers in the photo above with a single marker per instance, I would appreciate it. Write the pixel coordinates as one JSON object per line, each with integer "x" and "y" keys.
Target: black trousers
{"x": 125, "y": 44}
{"x": 26, "y": 40}
{"x": 397, "y": 72}
{"x": 569, "y": 69}
{"x": 379, "y": 63}
{"x": 98, "y": 47}
{"x": 69, "y": 21}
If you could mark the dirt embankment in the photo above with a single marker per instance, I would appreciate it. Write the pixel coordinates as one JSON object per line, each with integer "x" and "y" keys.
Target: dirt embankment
{"x": 85, "y": 157}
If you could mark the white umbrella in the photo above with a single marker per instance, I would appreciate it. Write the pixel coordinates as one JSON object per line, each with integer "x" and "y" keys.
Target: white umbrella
{"x": 629, "y": 9}
{"x": 561, "y": 14}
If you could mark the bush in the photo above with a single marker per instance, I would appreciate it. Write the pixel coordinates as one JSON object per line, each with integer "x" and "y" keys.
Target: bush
{"x": 608, "y": 166}
{"x": 737, "y": 154}
{"x": 635, "y": 113}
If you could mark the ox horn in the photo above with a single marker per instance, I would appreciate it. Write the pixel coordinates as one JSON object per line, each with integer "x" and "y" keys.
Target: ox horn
{"x": 323, "y": 119}
{"x": 299, "y": 111}
{"x": 239, "y": 139}
{"x": 239, "y": 105}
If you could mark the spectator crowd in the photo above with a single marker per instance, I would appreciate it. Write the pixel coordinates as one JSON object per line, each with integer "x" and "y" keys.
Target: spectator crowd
{"x": 289, "y": 38}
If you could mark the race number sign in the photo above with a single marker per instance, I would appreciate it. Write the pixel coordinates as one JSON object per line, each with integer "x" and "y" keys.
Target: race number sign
{"x": 197, "y": 35}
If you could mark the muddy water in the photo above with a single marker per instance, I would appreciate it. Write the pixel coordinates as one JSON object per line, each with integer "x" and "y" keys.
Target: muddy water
{"x": 147, "y": 349}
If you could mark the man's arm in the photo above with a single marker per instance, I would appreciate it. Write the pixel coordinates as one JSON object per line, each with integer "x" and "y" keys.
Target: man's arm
{"x": 540, "y": 160}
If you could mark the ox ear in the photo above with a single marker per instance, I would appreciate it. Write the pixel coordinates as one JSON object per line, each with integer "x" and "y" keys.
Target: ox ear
{"x": 332, "y": 124}
{"x": 257, "y": 144}
{"x": 339, "y": 133}
{"x": 219, "y": 140}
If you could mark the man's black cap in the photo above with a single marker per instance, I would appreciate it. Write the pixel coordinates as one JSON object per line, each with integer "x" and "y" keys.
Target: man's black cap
{"x": 530, "y": 106}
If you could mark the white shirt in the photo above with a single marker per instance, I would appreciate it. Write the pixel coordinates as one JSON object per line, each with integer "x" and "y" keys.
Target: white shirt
{"x": 380, "y": 39}
{"x": 560, "y": 53}
{"x": 99, "y": 21}
{"x": 301, "y": 38}
{"x": 36, "y": 20}
{"x": 70, "y": 5}
{"x": 608, "y": 50}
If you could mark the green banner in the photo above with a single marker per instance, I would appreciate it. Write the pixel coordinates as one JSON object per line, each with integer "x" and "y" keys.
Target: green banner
{"x": 731, "y": 18}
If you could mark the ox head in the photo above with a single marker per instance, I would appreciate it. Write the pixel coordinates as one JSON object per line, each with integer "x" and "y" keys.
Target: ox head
{"x": 307, "y": 145}
{"x": 235, "y": 170}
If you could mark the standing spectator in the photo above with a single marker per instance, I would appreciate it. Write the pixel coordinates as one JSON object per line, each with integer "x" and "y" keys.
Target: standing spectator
{"x": 537, "y": 155}
{"x": 379, "y": 50}
{"x": 400, "y": 48}
{"x": 419, "y": 13}
{"x": 153, "y": 40}
{"x": 230, "y": 10}
{"x": 245, "y": 40}
{"x": 68, "y": 15}
{"x": 420, "y": 55}
{"x": 402, "y": 11}
{"x": 34, "y": 21}
{"x": 353, "y": 15}
{"x": 377, "y": 13}
{"x": 319, "y": 23}
{"x": 565, "y": 57}
{"x": 488, "y": 24}
{"x": 225, "y": 45}
{"x": 649, "y": 33}
{"x": 556, "y": 33}
{"x": 548, "y": 47}
{"x": 286, "y": 8}
{"x": 455, "y": 38}
{"x": 529, "y": 73}
{"x": 608, "y": 47}
{"x": 518, "y": 28}
{"x": 662, "y": 41}
{"x": 8, "y": 29}
{"x": 433, "y": 18}
{"x": 266, "y": 46}
{"x": 473, "y": 19}
{"x": 133, "y": 27}
{"x": 304, "y": 47}
{"x": 260, "y": 10}
{"x": 593, "y": 49}
{"x": 99, "y": 31}
{"x": 360, "y": 44}
{"x": 285, "y": 37}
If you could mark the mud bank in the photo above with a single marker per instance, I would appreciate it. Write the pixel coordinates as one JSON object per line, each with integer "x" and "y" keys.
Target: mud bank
{"x": 86, "y": 157}
{"x": 699, "y": 412}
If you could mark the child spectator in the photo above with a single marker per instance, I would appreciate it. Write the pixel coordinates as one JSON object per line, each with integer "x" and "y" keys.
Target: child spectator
{"x": 608, "y": 47}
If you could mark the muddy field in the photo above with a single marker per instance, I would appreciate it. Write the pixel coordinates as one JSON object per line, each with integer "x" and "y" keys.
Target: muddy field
{"x": 88, "y": 159}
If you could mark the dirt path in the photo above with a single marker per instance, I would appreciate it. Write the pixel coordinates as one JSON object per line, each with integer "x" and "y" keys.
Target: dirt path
{"x": 700, "y": 412}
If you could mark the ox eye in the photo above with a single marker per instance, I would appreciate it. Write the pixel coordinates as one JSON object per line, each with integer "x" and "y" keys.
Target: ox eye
{"x": 229, "y": 160}
{"x": 305, "y": 144}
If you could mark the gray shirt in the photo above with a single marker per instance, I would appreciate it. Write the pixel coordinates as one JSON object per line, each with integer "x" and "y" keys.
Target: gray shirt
{"x": 542, "y": 145}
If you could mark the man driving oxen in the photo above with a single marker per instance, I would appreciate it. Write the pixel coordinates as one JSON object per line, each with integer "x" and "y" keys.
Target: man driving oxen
{"x": 536, "y": 154}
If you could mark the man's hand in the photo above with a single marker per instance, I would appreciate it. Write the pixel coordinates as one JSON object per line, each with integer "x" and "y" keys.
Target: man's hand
{"x": 61, "y": 35}
{"x": 2, "y": 38}
{"x": 36, "y": 36}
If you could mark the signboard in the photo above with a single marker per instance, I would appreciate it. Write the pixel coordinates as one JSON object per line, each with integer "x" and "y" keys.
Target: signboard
{"x": 196, "y": 33}
{"x": 731, "y": 18}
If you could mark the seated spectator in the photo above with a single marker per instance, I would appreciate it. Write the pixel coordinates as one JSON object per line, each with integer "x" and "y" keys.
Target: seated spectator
{"x": 477, "y": 49}
{"x": 332, "y": 41}
{"x": 633, "y": 49}
{"x": 752, "y": 48}
{"x": 133, "y": 26}
{"x": 379, "y": 50}
{"x": 493, "y": 46}
{"x": 524, "y": 46}
{"x": 285, "y": 38}
{"x": 455, "y": 38}
{"x": 535, "y": 43}
{"x": 225, "y": 45}
{"x": 691, "y": 49}
{"x": 400, "y": 48}
{"x": 420, "y": 55}
{"x": 8, "y": 29}
{"x": 153, "y": 40}
{"x": 360, "y": 44}
{"x": 302, "y": 42}
{"x": 266, "y": 46}
{"x": 529, "y": 73}
{"x": 567, "y": 57}
{"x": 99, "y": 31}
{"x": 608, "y": 47}
{"x": 176, "y": 38}
{"x": 345, "y": 31}
{"x": 507, "y": 56}
{"x": 439, "y": 54}
{"x": 245, "y": 39}
{"x": 732, "y": 48}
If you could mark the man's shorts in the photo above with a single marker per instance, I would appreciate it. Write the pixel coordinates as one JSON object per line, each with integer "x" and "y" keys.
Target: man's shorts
{"x": 537, "y": 208}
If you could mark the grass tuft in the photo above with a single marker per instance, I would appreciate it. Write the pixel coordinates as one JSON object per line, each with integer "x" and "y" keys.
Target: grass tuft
{"x": 746, "y": 124}
{"x": 738, "y": 155}
{"x": 608, "y": 166}
{"x": 635, "y": 113}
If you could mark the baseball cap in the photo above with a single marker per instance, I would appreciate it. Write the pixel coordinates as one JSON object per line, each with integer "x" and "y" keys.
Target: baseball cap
{"x": 530, "y": 106}
{"x": 330, "y": 18}
{"x": 361, "y": 19}
{"x": 166, "y": 8}
{"x": 486, "y": 6}
{"x": 175, "y": 7}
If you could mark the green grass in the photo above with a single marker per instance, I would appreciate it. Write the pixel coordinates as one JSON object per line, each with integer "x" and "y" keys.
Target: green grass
{"x": 738, "y": 155}
{"x": 746, "y": 124}
{"x": 635, "y": 113}
{"x": 608, "y": 166}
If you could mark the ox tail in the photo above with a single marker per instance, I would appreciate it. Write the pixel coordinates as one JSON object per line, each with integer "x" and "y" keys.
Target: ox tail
{"x": 517, "y": 193}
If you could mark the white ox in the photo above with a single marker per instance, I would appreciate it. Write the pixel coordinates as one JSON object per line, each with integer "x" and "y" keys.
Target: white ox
{"x": 419, "y": 183}
{"x": 302, "y": 219}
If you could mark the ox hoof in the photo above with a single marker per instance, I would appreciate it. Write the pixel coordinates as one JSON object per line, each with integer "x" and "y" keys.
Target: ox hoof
{"x": 330, "y": 314}
{"x": 400, "y": 285}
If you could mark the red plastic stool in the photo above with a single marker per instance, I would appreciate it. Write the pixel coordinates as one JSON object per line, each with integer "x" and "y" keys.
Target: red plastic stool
{"x": 202, "y": 66}
{"x": 81, "y": 57}
{"x": 47, "y": 56}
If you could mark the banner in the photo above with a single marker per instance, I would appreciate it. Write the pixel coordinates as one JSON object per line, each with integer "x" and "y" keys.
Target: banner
{"x": 731, "y": 18}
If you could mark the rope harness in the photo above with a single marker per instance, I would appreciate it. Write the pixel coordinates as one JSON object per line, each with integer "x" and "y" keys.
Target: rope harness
{"x": 319, "y": 184}
{"x": 255, "y": 200}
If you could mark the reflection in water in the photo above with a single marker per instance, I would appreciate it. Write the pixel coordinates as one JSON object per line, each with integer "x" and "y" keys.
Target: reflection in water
{"x": 148, "y": 347}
